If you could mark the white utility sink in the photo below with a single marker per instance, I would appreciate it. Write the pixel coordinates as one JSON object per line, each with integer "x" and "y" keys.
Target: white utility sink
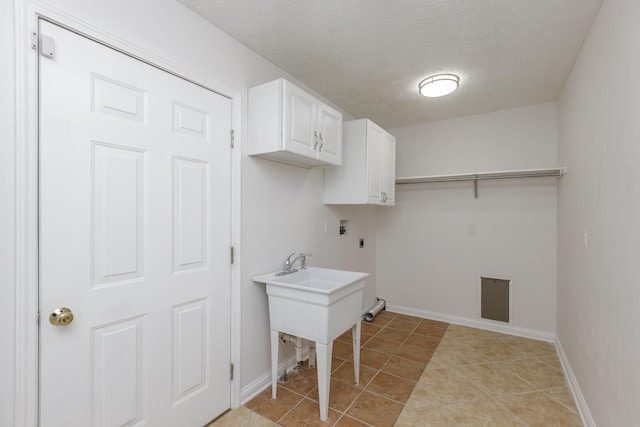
{"x": 317, "y": 304}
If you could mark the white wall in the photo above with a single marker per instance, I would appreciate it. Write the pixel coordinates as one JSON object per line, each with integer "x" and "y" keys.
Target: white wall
{"x": 282, "y": 213}
{"x": 7, "y": 221}
{"x": 281, "y": 204}
{"x": 426, "y": 260}
{"x": 599, "y": 286}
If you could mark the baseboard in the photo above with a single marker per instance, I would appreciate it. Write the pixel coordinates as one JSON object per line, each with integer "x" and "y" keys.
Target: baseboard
{"x": 256, "y": 387}
{"x": 473, "y": 323}
{"x": 263, "y": 382}
{"x": 578, "y": 397}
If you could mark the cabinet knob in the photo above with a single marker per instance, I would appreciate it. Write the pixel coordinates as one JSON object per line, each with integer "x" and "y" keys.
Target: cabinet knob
{"x": 315, "y": 139}
{"x": 321, "y": 143}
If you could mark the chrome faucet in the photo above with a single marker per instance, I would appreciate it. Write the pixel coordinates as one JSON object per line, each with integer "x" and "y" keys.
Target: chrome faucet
{"x": 288, "y": 263}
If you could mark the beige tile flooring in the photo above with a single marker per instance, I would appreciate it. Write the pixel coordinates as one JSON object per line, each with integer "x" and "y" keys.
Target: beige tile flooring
{"x": 418, "y": 372}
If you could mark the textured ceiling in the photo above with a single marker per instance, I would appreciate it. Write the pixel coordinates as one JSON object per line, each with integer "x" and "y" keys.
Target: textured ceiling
{"x": 367, "y": 56}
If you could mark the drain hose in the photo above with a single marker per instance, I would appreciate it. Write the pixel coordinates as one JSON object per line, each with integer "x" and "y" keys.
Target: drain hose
{"x": 377, "y": 308}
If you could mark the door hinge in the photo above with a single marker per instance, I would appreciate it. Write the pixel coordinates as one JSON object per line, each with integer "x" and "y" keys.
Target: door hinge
{"x": 231, "y": 372}
{"x": 34, "y": 40}
{"x": 38, "y": 319}
{"x": 233, "y": 254}
{"x": 233, "y": 138}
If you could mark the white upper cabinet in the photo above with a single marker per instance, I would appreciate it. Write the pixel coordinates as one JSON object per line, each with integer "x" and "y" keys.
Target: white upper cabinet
{"x": 288, "y": 125}
{"x": 367, "y": 175}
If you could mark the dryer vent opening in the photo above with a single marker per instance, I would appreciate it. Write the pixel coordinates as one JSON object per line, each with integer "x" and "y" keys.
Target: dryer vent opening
{"x": 494, "y": 299}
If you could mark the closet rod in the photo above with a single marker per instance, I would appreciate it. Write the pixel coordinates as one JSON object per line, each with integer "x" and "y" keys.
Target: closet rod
{"x": 481, "y": 176}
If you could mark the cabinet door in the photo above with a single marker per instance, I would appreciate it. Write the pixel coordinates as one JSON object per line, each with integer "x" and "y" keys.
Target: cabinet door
{"x": 389, "y": 169}
{"x": 329, "y": 135}
{"x": 299, "y": 121}
{"x": 375, "y": 139}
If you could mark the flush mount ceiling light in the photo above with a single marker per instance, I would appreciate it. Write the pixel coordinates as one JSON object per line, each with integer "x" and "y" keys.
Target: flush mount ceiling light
{"x": 439, "y": 85}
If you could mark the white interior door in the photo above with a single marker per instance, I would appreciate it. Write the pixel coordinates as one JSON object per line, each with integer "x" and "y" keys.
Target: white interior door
{"x": 134, "y": 239}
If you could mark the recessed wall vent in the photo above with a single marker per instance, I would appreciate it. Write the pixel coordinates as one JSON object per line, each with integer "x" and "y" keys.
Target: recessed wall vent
{"x": 494, "y": 299}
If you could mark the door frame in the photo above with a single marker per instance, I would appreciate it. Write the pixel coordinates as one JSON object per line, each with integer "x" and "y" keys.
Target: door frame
{"x": 27, "y": 14}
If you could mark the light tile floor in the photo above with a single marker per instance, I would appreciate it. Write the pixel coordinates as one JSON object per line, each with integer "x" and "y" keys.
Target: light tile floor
{"x": 418, "y": 372}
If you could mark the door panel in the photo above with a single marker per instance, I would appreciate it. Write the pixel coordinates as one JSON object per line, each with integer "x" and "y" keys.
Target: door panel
{"x": 190, "y": 216}
{"x": 190, "y": 350}
{"x": 389, "y": 170}
{"x": 330, "y": 125}
{"x": 374, "y": 164}
{"x": 300, "y": 121}
{"x": 134, "y": 185}
{"x": 119, "y": 186}
{"x": 118, "y": 373}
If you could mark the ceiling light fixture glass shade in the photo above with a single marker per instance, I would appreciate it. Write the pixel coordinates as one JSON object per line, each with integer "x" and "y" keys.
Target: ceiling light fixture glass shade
{"x": 439, "y": 85}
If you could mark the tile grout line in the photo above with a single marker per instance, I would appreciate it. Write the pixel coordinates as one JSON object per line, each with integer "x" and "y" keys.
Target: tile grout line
{"x": 344, "y": 414}
{"x": 560, "y": 402}
{"x": 290, "y": 410}
{"x": 511, "y": 412}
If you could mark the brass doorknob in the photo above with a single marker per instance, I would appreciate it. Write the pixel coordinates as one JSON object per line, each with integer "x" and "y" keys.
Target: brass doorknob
{"x": 61, "y": 317}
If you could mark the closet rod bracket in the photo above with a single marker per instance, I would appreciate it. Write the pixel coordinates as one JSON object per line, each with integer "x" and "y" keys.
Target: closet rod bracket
{"x": 475, "y": 186}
